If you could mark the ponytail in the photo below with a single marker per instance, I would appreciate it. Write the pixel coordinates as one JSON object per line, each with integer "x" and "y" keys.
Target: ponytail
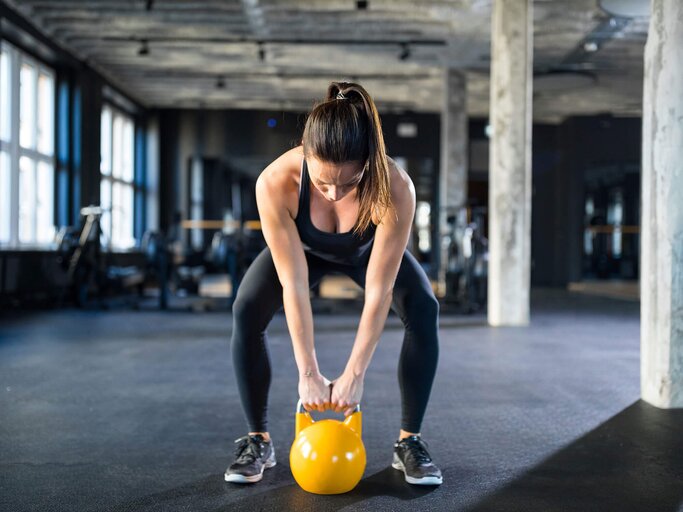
{"x": 346, "y": 127}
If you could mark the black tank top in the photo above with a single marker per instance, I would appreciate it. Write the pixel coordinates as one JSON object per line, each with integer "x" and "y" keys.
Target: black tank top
{"x": 345, "y": 248}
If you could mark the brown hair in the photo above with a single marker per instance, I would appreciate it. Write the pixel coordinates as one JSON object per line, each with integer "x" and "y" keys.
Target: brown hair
{"x": 346, "y": 128}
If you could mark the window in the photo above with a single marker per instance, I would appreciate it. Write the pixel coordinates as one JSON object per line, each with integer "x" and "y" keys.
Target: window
{"x": 422, "y": 217}
{"x": 26, "y": 149}
{"x": 117, "y": 187}
{"x": 5, "y": 177}
{"x": 196, "y": 201}
{"x": 615, "y": 217}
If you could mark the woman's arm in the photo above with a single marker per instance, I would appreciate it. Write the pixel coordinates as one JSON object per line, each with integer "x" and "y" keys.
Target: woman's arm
{"x": 391, "y": 240}
{"x": 280, "y": 233}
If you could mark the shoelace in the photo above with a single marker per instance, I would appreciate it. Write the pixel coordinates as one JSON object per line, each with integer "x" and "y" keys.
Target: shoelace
{"x": 248, "y": 448}
{"x": 417, "y": 448}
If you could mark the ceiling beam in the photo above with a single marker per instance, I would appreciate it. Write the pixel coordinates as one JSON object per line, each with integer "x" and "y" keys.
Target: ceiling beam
{"x": 293, "y": 41}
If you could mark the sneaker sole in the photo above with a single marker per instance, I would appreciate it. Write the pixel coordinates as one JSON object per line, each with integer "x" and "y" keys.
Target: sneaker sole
{"x": 426, "y": 480}
{"x": 236, "y": 478}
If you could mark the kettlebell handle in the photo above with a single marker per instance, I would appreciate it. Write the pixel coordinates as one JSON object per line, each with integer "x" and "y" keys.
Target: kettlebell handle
{"x": 300, "y": 407}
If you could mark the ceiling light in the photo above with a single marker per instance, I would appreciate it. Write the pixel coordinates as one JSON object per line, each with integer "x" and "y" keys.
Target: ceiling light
{"x": 605, "y": 31}
{"x": 590, "y": 46}
{"x": 144, "y": 49}
{"x": 405, "y": 51}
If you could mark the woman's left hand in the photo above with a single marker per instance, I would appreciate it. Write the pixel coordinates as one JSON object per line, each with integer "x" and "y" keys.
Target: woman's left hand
{"x": 347, "y": 391}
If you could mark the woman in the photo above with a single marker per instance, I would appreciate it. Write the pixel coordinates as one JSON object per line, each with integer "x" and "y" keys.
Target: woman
{"x": 335, "y": 203}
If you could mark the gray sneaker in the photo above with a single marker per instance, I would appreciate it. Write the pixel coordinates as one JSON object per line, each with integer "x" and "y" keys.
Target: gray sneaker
{"x": 253, "y": 456}
{"x": 411, "y": 457}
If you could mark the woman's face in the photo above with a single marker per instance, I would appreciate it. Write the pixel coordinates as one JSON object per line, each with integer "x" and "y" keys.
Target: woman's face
{"x": 335, "y": 181}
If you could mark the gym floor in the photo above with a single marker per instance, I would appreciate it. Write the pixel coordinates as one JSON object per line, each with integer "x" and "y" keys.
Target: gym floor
{"x": 137, "y": 411}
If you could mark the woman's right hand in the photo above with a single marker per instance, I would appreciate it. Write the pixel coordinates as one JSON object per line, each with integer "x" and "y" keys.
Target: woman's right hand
{"x": 314, "y": 392}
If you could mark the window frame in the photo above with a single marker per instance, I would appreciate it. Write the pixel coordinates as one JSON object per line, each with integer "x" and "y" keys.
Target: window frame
{"x": 134, "y": 184}
{"x": 17, "y": 57}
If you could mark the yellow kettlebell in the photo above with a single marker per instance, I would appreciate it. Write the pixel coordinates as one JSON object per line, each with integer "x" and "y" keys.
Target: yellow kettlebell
{"x": 327, "y": 456}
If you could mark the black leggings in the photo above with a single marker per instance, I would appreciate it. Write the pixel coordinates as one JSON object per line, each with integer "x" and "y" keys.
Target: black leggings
{"x": 259, "y": 297}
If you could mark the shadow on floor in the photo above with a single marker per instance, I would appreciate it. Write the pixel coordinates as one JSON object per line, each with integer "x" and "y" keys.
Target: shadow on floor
{"x": 204, "y": 494}
{"x": 632, "y": 462}
{"x": 387, "y": 482}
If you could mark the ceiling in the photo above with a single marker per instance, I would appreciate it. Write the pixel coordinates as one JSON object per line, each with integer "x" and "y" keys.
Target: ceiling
{"x": 281, "y": 54}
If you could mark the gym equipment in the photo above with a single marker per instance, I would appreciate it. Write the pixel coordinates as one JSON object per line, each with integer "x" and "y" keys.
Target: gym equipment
{"x": 467, "y": 268}
{"x": 225, "y": 254}
{"x": 67, "y": 241}
{"x": 327, "y": 456}
{"x": 233, "y": 248}
{"x": 88, "y": 272}
{"x": 157, "y": 266}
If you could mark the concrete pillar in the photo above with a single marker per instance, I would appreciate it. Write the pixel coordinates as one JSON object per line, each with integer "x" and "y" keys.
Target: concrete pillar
{"x": 661, "y": 281}
{"x": 510, "y": 162}
{"x": 454, "y": 152}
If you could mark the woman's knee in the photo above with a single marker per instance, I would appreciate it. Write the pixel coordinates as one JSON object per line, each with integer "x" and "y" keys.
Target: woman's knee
{"x": 248, "y": 315}
{"x": 243, "y": 305}
{"x": 420, "y": 313}
{"x": 430, "y": 305}
{"x": 421, "y": 305}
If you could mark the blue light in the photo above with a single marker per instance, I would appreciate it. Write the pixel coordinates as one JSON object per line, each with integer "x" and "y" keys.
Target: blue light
{"x": 272, "y": 123}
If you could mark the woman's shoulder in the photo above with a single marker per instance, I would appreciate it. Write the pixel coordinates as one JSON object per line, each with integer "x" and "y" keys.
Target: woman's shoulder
{"x": 281, "y": 179}
{"x": 402, "y": 188}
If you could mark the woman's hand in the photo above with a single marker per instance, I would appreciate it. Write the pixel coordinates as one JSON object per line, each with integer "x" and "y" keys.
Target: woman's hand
{"x": 347, "y": 391}
{"x": 314, "y": 392}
